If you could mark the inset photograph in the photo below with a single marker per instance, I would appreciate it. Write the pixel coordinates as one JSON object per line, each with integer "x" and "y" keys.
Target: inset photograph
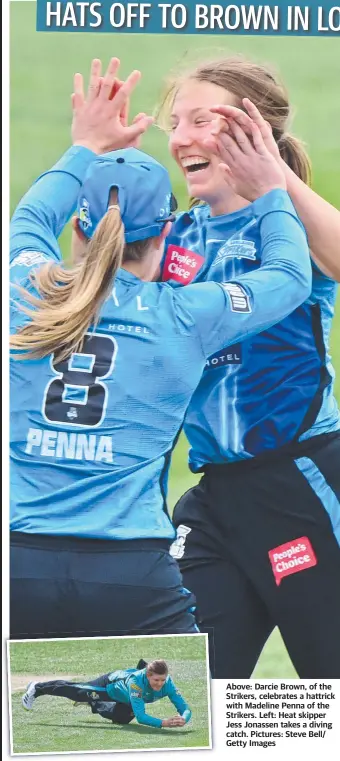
{"x": 109, "y": 694}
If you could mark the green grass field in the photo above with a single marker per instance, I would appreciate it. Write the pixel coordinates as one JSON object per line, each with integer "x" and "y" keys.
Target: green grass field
{"x": 42, "y": 66}
{"x": 54, "y": 725}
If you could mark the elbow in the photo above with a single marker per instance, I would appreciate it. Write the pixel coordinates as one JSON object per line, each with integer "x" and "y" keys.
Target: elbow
{"x": 303, "y": 282}
{"x": 306, "y": 286}
{"x": 143, "y": 719}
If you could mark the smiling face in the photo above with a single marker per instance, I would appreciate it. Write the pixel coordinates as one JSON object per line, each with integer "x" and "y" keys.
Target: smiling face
{"x": 190, "y": 125}
{"x": 156, "y": 681}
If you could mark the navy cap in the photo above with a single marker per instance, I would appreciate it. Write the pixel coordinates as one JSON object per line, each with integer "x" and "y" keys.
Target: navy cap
{"x": 145, "y": 198}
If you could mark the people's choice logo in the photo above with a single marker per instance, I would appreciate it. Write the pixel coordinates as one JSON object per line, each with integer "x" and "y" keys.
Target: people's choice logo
{"x": 291, "y": 557}
{"x": 181, "y": 265}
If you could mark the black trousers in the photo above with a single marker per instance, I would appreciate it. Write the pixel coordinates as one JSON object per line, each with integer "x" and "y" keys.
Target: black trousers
{"x": 62, "y": 587}
{"x": 93, "y": 693}
{"x": 258, "y": 544}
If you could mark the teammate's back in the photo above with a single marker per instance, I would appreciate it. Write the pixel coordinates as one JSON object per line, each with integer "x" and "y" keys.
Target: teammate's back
{"x": 92, "y": 432}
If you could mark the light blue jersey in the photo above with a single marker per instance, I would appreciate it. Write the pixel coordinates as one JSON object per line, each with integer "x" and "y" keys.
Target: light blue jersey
{"x": 91, "y": 436}
{"x": 270, "y": 389}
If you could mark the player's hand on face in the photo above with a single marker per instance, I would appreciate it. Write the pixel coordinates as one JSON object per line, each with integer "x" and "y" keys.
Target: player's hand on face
{"x": 100, "y": 119}
{"x": 248, "y": 166}
{"x": 245, "y": 119}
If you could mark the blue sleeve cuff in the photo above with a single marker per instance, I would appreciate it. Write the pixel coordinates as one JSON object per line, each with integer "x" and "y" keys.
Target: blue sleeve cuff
{"x": 75, "y": 161}
{"x": 275, "y": 200}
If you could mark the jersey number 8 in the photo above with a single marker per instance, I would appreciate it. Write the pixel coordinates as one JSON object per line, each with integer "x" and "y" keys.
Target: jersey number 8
{"x": 77, "y": 397}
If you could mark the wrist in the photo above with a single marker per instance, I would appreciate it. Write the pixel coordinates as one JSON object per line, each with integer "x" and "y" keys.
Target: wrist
{"x": 90, "y": 145}
{"x": 285, "y": 168}
{"x": 268, "y": 188}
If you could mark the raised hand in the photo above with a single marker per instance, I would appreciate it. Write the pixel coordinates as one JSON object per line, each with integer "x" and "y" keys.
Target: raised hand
{"x": 249, "y": 167}
{"x": 226, "y": 114}
{"x": 100, "y": 120}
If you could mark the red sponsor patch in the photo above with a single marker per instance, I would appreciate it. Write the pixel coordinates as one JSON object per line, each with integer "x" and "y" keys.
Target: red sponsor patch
{"x": 291, "y": 557}
{"x": 181, "y": 265}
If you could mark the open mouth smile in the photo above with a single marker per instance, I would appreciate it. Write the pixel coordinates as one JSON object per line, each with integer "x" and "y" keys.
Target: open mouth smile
{"x": 194, "y": 164}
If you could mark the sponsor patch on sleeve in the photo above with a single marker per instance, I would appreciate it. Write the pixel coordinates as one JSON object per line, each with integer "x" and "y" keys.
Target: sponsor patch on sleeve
{"x": 238, "y": 298}
{"x": 29, "y": 258}
{"x": 291, "y": 557}
{"x": 181, "y": 264}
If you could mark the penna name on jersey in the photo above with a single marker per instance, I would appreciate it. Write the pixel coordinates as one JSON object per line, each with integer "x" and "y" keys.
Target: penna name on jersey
{"x": 69, "y": 446}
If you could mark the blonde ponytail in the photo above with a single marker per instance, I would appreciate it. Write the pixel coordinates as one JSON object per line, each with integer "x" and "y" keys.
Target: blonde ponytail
{"x": 70, "y": 300}
{"x": 293, "y": 152}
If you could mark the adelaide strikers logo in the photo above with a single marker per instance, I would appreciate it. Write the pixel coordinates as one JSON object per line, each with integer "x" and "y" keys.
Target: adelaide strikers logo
{"x": 238, "y": 248}
{"x": 84, "y": 214}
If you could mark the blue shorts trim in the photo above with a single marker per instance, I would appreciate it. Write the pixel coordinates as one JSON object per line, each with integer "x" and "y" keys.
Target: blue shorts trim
{"x": 322, "y": 490}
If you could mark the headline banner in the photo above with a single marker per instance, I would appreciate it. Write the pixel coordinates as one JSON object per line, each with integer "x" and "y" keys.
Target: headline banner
{"x": 283, "y": 18}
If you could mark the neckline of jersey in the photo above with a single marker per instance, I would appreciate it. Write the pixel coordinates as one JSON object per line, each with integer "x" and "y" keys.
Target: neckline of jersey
{"x": 245, "y": 211}
{"x": 127, "y": 276}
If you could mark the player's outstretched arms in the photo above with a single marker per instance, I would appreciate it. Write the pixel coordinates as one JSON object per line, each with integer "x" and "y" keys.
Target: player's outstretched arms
{"x": 177, "y": 699}
{"x": 97, "y": 127}
{"x": 138, "y": 707}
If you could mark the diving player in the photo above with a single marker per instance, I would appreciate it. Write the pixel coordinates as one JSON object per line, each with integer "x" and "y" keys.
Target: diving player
{"x": 120, "y": 696}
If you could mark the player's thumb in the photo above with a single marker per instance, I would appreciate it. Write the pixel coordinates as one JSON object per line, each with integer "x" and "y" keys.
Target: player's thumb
{"x": 228, "y": 175}
{"x": 139, "y": 125}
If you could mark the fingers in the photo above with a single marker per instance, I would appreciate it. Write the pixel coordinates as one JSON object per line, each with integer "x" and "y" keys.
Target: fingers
{"x": 124, "y": 114}
{"x": 253, "y": 111}
{"x": 126, "y": 89}
{"x": 228, "y": 175}
{"x": 138, "y": 127}
{"x": 257, "y": 117}
{"x": 228, "y": 149}
{"x": 258, "y": 141}
{"x": 240, "y": 137}
{"x": 223, "y": 146}
{"x": 78, "y": 94}
{"x": 218, "y": 125}
{"x": 109, "y": 79}
{"x": 140, "y": 116}
{"x": 95, "y": 79}
{"x": 213, "y": 144}
{"x": 231, "y": 112}
{"x": 176, "y": 721}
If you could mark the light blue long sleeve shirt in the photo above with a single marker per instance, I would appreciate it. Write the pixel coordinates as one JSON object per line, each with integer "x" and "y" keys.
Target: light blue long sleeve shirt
{"x": 92, "y": 436}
